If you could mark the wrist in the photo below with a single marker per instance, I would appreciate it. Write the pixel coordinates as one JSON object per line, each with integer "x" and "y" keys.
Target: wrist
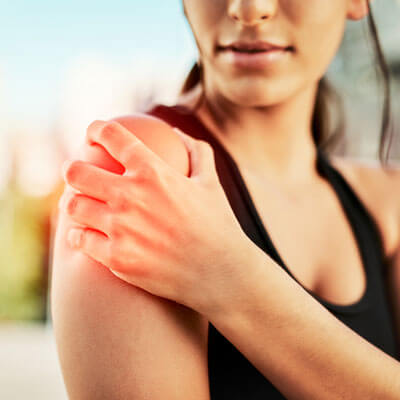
{"x": 234, "y": 299}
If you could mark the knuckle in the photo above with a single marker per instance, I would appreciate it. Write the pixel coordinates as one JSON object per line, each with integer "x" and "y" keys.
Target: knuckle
{"x": 113, "y": 261}
{"x": 114, "y": 192}
{"x": 114, "y": 227}
{"x": 72, "y": 204}
{"x": 108, "y": 130}
{"x": 145, "y": 173}
{"x": 116, "y": 260}
{"x": 121, "y": 202}
{"x": 128, "y": 152}
{"x": 111, "y": 126}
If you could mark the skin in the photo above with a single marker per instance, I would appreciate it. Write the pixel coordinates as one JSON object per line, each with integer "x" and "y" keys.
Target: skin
{"x": 343, "y": 365}
{"x": 122, "y": 310}
{"x": 116, "y": 341}
{"x": 145, "y": 225}
{"x": 263, "y": 119}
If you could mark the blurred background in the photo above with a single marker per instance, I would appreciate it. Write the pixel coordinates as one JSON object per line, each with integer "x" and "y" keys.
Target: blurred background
{"x": 64, "y": 64}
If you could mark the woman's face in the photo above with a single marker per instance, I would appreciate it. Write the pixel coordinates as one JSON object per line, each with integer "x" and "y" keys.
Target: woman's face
{"x": 312, "y": 28}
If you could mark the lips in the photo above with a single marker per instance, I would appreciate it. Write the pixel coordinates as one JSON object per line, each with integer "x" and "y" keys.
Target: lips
{"x": 255, "y": 55}
{"x": 239, "y": 50}
{"x": 253, "y": 47}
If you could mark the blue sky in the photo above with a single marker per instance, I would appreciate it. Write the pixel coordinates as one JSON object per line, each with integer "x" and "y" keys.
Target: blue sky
{"x": 39, "y": 37}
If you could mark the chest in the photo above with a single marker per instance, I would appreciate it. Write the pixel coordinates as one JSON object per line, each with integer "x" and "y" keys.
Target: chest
{"x": 314, "y": 237}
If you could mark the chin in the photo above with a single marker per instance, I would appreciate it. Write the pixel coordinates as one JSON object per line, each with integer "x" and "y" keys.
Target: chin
{"x": 258, "y": 92}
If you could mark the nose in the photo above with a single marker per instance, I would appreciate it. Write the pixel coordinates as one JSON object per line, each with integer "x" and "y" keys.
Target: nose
{"x": 251, "y": 12}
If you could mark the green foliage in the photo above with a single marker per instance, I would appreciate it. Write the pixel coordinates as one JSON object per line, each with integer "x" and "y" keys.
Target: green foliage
{"x": 22, "y": 256}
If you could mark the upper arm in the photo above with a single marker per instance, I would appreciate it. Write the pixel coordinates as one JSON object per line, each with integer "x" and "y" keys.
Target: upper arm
{"x": 393, "y": 288}
{"x": 393, "y": 277}
{"x": 116, "y": 341}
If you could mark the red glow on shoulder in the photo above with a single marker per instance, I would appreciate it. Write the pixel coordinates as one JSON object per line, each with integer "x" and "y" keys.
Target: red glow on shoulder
{"x": 154, "y": 133}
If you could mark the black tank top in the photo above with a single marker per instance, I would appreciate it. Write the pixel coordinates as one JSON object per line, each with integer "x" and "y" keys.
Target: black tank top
{"x": 231, "y": 375}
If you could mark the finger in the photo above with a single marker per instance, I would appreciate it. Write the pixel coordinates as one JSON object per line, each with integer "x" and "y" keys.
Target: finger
{"x": 92, "y": 243}
{"x": 188, "y": 141}
{"x": 202, "y": 161}
{"x": 91, "y": 180}
{"x": 87, "y": 211}
{"x": 122, "y": 144}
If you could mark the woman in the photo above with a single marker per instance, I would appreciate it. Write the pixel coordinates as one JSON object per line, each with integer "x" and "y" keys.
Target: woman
{"x": 217, "y": 315}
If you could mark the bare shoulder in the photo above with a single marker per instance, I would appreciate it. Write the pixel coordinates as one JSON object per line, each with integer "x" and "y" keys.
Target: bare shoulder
{"x": 113, "y": 323}
{"x": 371, "y": 175}
{"x": 379, "y": 190}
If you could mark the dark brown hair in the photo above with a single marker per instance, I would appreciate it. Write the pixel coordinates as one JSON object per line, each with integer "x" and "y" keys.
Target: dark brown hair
{"x": 326, "y": 134}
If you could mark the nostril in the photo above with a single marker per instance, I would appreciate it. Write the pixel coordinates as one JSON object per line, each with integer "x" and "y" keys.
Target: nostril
{"x": 236, "y": 18}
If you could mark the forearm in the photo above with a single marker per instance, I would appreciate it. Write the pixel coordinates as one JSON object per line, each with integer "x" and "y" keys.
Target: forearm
{"x": 298, "y": 344}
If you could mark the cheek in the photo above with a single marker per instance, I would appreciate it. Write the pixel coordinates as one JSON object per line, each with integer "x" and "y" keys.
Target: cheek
{"x": 206, "y": 18}
{"x": 319, "y": 29}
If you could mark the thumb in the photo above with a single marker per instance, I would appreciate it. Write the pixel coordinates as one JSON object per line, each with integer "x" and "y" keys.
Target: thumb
{"x": 201, "y": 154}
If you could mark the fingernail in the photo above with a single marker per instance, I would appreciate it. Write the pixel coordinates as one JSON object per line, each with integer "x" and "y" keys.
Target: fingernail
{"x": 74, "y": 237}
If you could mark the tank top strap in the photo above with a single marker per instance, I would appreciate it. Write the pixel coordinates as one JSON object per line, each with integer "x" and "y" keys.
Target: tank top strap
{"x": 362, "y": 220}
{"x": 370, "y": 316}
{"x": 362, "y": 223}
{"x": 181, "y": 117}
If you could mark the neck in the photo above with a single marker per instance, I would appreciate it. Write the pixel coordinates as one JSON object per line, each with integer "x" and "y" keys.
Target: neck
{"x": 273, "y": 141}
